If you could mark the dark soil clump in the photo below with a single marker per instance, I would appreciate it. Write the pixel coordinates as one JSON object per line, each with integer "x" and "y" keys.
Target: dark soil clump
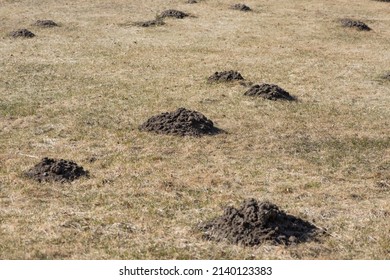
{"x": 22, "y": 33}
{"x": 257, "y": 222}
{"x": 225, "y": 76}
{"x": 174, "y": 14}
{"x": 149, "y": 23}
{"x": 56, "y": 170}
{"x": 346, "y": 22}
{"x": 269, "y": 91}
{"x": 192, "y": 2}
{"x": 45, "y": 23}
{"x": 181, "y": 122}
{"x": 241, "y": 7}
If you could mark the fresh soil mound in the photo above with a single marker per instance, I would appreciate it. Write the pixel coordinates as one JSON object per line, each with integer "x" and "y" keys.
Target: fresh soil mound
{"x": 174, "y": 14}
{"x": 268, "y": 91}
{"x": 181, "y": 122}
{"x": 256, "y": 222}
{"x": 225, "y": 76}
{"x": 45, "y": 23}
{"x": 149, "y": 23}
{"x": 241, "y": 7}
{"x": 56, "y": 170}
{"x": 346, "y": 22}
{"x": 22, "y": 33}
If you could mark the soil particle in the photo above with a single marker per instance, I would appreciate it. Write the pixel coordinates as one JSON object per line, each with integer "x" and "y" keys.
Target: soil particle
{"x": 149, "y": 23}
{"x": 241, "y": 7}
{"x": 269, "y": 91}
{"x": 257, "y": 222}
{"x": 56, "y": 170}
{"x": 346, "y": 22}
{"x": 174, "y": 14}
{"x": 225, "y": 76}
{"x": 22, "y": 33}
{"x": 181, "y": 122}
{"x": 45, "y": 23}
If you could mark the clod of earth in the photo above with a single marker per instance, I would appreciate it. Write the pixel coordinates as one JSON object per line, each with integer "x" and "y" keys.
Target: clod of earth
{"x": 181, "y": 122}
{"x": 256, "y": 222}
{"x": 241, "y": 7}
{"x": 269, "y": 91}
{"x": 45, "y": 23}
{"x": 225, "y": 76}
{"x": 149, "y": 23}
{"x": 56, "y": 170}
{"x": 174, "y": 14}
{"x": 22, "y": 33}
{"x": 346, "y": 22}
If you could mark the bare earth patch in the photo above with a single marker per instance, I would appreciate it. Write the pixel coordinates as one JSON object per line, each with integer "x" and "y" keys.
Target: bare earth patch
{"x": 181, "y": 122}
{"x": 173, "y": 14}
{"x": 269, "y": 91}
{"x": 346, "y": 22}
{"x": 56, "y": 170}
{"x": 149, "y": 23}
{"x": 226, "y": 76}
{"x": 256, "y": 222}
{"x": 22, "y": 33}
{"x": 45, "y": 23}
{"x": 241, "y": 7}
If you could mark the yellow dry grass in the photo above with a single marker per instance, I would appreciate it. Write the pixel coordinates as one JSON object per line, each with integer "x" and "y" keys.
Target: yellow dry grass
{"x": 79, "y": 92}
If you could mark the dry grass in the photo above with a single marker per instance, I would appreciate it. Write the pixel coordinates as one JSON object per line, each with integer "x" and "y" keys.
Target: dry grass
{"x": 79, "y": 91}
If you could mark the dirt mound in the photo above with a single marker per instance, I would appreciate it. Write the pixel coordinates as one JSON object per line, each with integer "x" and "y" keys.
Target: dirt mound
{"x": 56, "y": 170}
{"x": 241, "y": 7}
{"x": 181, "y": 122}
{"x": 192, "y": 2}
{"x": 45, "y": 23}
{"x": 256, "y": 222}
{"x": 22, "y": 33}
{"x": 149, "y": 23}
{"x": 225, "y": 76}
{"x": 269, "y": 91}
{"x": 346, "y": 22}
{"x": 174, "y": 14}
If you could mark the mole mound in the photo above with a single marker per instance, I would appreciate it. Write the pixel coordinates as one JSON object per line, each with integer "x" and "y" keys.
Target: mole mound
{"x": 268, "y": 91}
{"x": 45, "y": 23}
{"x": 346, "y": 22}
{"x": 241, "y": 7}
{"x": 256, "y": 222}
{"x": 56, "y": 170}
{"x": 181, "y": 122}
{"x": 225, "y": 76}
{"x": 149, "y": 23}
{"x": 174, "y": 14}
{"x": 22, "y": 33}
{"x": 192, "y": 1}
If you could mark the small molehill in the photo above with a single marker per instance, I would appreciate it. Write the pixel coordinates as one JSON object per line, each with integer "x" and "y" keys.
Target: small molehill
{"x": 241, "y": 7}
{"x": 225, "y": 76}
{"x": 192, "y": 1}
{"x": 269, "y": 91}
{"x": 181, "y": 122}
{"x": 173, "y": 14}
{"x": 149, "y": 23}
{"x": 56, "y": 170}
{"x": 22, "y": 33}
{"x": 257, "y": 222}
{"x": 346, "y": 22}
{"x": 45, "y": 23}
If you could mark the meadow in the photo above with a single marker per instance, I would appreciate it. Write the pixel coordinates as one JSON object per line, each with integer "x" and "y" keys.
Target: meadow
{"x": 80, "y": 91}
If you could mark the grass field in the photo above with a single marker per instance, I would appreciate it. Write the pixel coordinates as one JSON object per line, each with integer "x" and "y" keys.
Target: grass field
{"x": 79, "y": 92}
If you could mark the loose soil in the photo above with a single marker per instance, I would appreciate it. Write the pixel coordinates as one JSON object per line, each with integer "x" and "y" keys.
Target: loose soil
{"x": 181, "y": 122}
{"x": 149, "y": 23}
{"x": 269, "y": 91}
{"x": 22, "y": 33}
{"x": 241, "y": 7}
{"x": 225, "y": 76}
{"x": 56, "y": 170}
{"x": 257, "y": 222}
{"x": 346, "y": 22}
{"x": 45, "y": 23}
{"x": 174, "y": 14}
